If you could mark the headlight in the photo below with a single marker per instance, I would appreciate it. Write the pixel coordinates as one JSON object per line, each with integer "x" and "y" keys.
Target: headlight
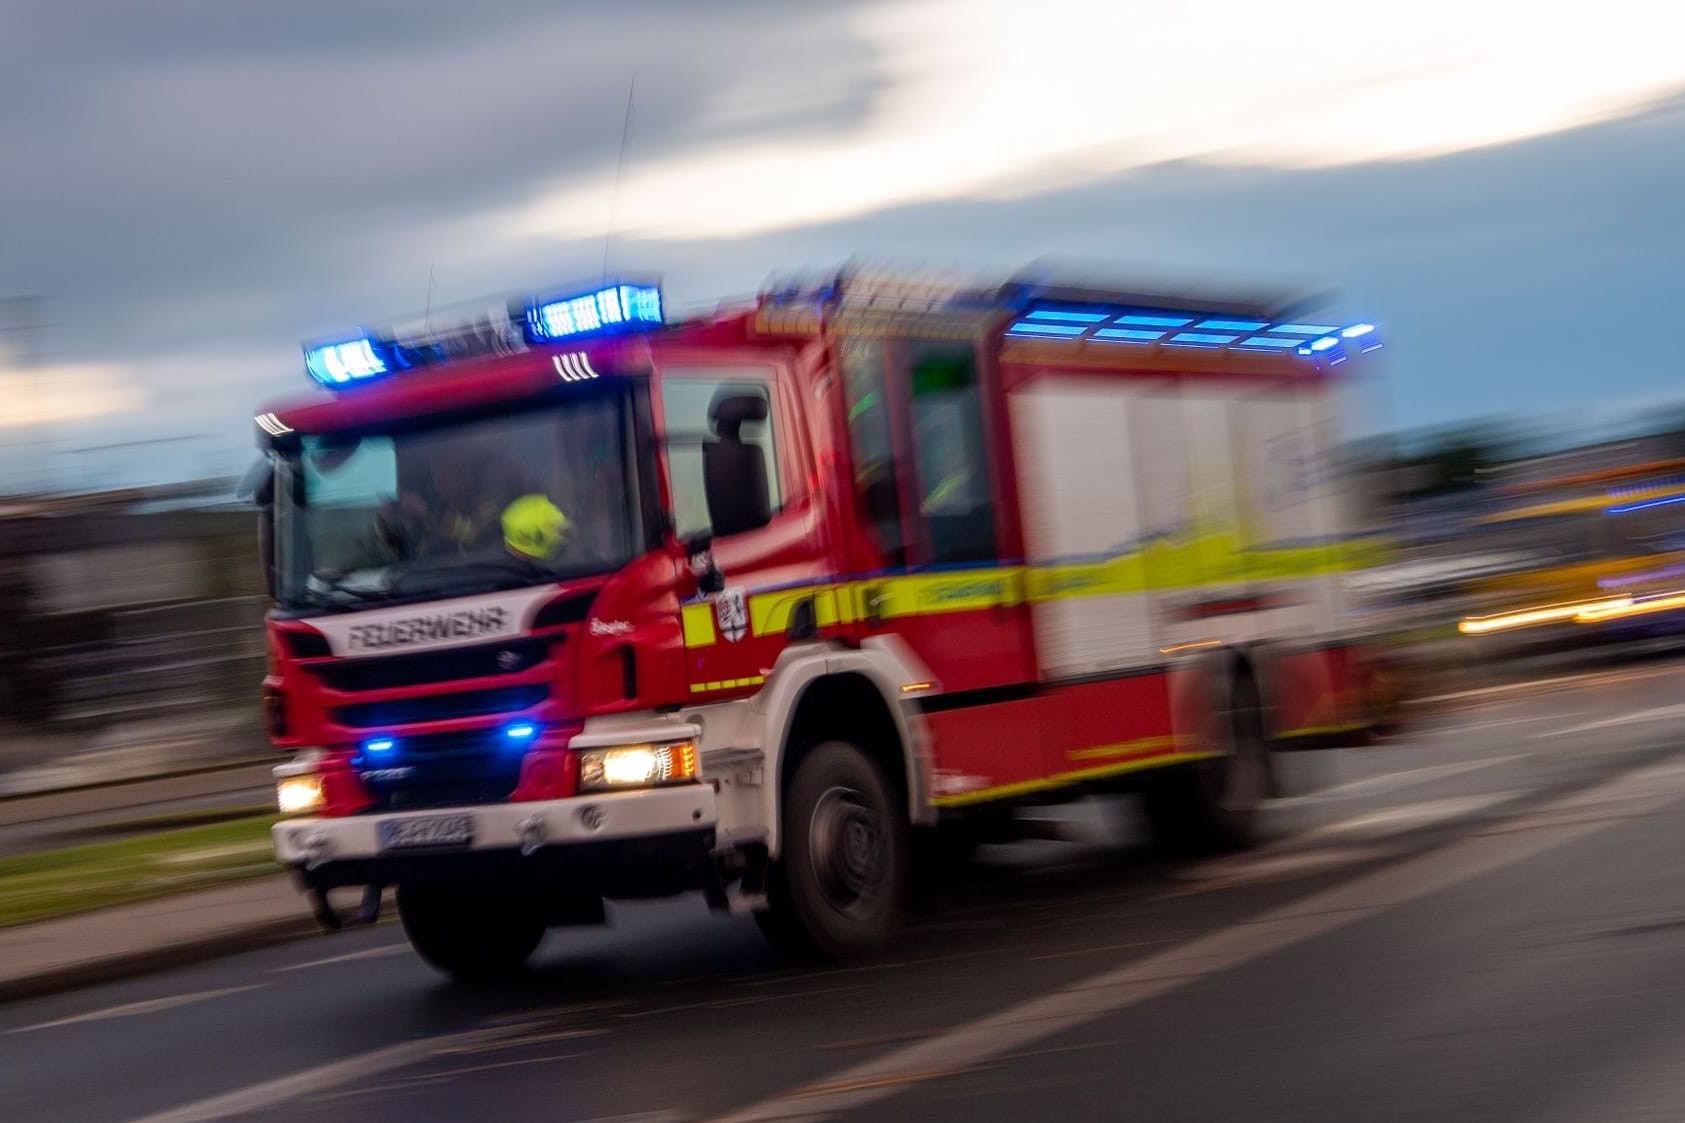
{"x": 297, "y": 795}
{"x": 637, "y": 766}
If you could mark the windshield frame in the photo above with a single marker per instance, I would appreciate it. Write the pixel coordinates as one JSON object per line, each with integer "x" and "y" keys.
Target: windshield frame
{"x": 630, "y": 396}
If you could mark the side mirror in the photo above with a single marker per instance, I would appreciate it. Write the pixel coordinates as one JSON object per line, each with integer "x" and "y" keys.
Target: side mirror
{"x": 258, "y": 486}
{"x": 699, "y": 555}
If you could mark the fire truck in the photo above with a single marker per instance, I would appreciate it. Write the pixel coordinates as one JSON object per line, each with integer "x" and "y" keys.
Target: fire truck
{"x": 575, "y": 602}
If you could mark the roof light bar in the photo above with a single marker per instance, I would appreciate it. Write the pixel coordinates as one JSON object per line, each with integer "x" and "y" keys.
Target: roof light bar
{"x": 506, "y": 327}
{"x": 619, "y": 307}
{"x": 344, "y": 362}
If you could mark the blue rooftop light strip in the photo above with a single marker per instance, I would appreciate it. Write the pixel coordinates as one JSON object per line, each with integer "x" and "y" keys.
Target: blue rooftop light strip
{"x": 1304, "y": 329}
{"x": 1128, "y": 335}
{"x": 617, "y": 307}
{"x": 338, "y": 364}
{"x": 1060, "y": 331}
{"x": 1156, "y": 321}
{"x": 1267, "y": 343}
{"x": 1233, "y": 325}
{"x": 1201, "y": 339}
{"x": 1066, "y": 316}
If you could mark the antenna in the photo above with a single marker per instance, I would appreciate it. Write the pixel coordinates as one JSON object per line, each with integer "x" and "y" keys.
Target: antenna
{"x": 619, "y": 167}
{"x": 427, "y": 316}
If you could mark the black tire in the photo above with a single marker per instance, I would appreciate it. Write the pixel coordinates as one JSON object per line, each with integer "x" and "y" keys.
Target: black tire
{"x": 469, "y": 933}
{"x": 1216, "y": 805}
{"x": 839, "y": 888}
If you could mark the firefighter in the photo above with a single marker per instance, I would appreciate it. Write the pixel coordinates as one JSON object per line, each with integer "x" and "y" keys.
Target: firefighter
{"x": 534, "y": 528}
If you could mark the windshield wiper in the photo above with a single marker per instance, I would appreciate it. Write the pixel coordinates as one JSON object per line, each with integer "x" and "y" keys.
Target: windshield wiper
{"x": 517, "y": 570}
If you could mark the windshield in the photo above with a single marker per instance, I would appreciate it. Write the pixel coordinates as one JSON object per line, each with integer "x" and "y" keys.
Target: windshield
{"x": 458, "y": 508}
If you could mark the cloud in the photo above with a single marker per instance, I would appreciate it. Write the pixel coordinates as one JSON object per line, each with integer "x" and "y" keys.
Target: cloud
{"x": 987, "y": 96}
{"x": 54, "y": 394}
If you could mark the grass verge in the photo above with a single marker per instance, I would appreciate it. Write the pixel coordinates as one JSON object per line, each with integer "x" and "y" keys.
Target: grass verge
{"x": 60, "y": 882}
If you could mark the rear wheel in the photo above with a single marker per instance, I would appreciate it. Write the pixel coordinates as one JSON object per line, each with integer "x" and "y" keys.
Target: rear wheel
{"x": 1217, "y": 804}
{"x": 839, "y": 887}
{"x": 470, "y": 933}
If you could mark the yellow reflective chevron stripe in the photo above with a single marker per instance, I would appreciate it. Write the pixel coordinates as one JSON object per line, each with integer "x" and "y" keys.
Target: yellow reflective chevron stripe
{"x": 1192, "y": 563}
{"x": 1046, "y": 783}
{"x": 727, "y": 684}
{"x": 699, "y": 625}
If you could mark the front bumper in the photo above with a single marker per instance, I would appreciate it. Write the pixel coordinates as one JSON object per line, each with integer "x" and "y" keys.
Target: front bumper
{"x": 641, "y": 834}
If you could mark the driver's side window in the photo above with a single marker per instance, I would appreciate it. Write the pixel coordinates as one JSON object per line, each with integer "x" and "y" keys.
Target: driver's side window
{"x": 721, "y": 452}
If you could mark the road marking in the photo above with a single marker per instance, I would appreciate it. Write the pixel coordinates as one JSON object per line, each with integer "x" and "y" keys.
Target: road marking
{"x": 270, "y": 1093}
{"x": 989, "y": 1038}
{"x": 1396, "y": 820}
{"x": 1654, "y": 714}
{"x": 134, "y": 1009}
{"x": 1387, "y": 781}
{"x": 1578, "y": 678}
{"x": 371, "y": 953}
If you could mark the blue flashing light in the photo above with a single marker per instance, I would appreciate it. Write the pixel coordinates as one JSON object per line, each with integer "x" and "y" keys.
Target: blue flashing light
{"x": 1356, "y": 330}
{"x": 1059, "y": 330}
{"x": 1327, "y": 343}
{"x": 1304, "y": 329}
{"x": 1201, "y": 339}
{"x": 1156, "y": 321}
{"x": 1269, "y": 343}
{"x": 1067, "y": 317}
{"x": 616, "y": 308}
{"x": 349, "y": 360}
{"x": 1233, "y": 325}
{"x": 525, "y": 731}
{"x": 1621, "y": 510}
{"x": 380, "y": 745}
{"x": 1128, "y": 335}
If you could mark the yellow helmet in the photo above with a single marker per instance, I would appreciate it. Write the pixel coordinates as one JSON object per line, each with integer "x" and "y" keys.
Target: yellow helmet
{"x": 534, "y": 527}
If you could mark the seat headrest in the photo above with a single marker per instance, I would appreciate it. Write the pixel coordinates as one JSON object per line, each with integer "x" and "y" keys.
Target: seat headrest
{"x": 734, "y": 405}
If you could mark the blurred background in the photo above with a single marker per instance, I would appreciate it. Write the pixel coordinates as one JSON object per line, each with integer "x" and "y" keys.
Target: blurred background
{"x": 188, "y": 188}
{"x": 204, "y": 184}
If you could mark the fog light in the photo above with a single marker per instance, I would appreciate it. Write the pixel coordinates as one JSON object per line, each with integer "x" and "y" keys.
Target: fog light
{"x": 297, "y": 795}
{"x": 637, "y": 766}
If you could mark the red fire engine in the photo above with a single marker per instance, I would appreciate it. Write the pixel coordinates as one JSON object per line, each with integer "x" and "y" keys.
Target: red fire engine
{"x": 575, "y": 603}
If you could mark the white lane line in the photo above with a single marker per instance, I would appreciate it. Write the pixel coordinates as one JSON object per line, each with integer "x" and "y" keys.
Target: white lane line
{"x": 1579, "y": 678}
{"x": 1655, "y": 714}
{"x": 1386, "y": 821}
{"x": 371, "y": 953}
{"x": 1387, "y": 781}
{"x": 134, "y": 1009}
{"x": 964, "y": 1047}
{"x": 283, "y": 1089}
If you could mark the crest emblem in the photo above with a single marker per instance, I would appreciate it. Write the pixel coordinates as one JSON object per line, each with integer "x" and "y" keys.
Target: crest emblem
{"x": 732, "y": 611}
{"x": 508, "y": 660}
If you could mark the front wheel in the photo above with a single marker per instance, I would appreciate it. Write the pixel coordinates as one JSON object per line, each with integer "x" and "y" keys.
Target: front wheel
{"x": 839, "y": 887}
{"x": 469, "y": 933}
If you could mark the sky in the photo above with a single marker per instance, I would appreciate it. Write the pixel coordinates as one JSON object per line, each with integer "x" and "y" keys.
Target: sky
{"x": 193, "y": 186}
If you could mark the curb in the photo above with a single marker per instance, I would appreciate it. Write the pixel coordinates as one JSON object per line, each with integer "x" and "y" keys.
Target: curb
{"x": 128, "y": 965}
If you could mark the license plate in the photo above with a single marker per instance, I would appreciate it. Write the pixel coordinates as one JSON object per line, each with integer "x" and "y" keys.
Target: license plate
{"x": 431, "y": 830}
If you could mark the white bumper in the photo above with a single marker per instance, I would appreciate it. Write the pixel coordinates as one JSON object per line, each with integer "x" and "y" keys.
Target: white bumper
{"x": 596, "y": 818}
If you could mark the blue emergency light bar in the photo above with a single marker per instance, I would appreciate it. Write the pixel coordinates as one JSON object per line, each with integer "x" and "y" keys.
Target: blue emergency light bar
{"x": 619, "y": 307}
{"x": 511, "y": 328}
{"x": 350, "y": 360}
{"x": 1066, "y": 323}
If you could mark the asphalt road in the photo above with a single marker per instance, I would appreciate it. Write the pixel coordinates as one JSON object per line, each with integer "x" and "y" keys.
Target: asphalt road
{"x": 1481, "y": 921}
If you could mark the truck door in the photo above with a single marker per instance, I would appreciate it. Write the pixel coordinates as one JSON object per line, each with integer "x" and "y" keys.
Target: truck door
{"x": 927, "y": 504}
